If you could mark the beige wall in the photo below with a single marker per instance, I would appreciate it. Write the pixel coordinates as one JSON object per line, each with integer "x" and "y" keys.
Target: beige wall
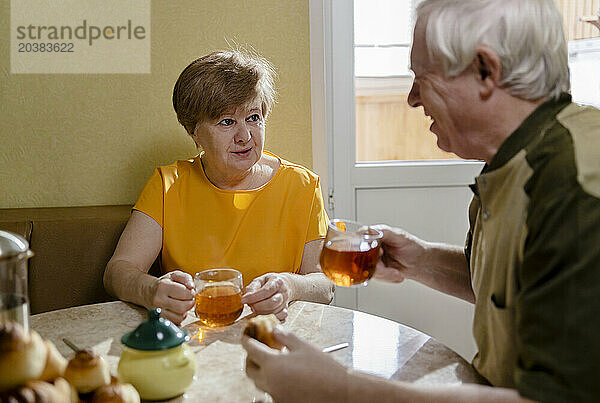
{"x": 77, "y": 139}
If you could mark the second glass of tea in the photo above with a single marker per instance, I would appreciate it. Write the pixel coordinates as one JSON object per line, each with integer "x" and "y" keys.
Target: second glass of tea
{"x": 218, "y": 296}
{"x": 350, "y": 252}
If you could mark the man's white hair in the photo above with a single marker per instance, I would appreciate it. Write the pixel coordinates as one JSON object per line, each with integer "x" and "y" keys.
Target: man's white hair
{"x": 527, "y": 36}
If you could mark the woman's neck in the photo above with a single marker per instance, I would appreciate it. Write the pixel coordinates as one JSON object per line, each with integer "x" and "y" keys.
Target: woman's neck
{"x": 258, "y": 175}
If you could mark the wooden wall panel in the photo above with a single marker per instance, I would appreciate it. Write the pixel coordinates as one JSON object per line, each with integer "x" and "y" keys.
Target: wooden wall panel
{"x": 387, "y": 128}
{"x": 572, "y": 10}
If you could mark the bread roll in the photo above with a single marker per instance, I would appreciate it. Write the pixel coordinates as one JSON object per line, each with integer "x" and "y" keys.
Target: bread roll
{"x": 67, "y": 391}
{"x": 22, "y": 357}
{"x": 87, "y": 371}
{"x": 116, "y": 393}
{"x": 41, "y": 392}
{"x": 55, "y": 363}
{"x": 261, "y": 328}
{"x": 33, "y": 392}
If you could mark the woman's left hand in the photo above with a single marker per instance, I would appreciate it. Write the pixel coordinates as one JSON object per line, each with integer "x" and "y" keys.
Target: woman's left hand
{"x": 269, "y": 293}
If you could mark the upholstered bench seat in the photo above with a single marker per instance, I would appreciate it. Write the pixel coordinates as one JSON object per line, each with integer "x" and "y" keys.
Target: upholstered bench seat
{"x": 72, "y": 246}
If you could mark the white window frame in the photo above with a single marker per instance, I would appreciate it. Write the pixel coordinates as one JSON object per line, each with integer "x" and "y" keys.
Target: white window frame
{"x": 321, "y": 120}
{"x": 382, "y": 85}
{"x": 333, "y": 119}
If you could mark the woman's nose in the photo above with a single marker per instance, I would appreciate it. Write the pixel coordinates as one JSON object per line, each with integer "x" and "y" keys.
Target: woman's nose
{"x": 243, "y": 134}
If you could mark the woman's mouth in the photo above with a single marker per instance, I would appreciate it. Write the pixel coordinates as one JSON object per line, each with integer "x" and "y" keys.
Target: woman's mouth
{"x": 243, "y": 152}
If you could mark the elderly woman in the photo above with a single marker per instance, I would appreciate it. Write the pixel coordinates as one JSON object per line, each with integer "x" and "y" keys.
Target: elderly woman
{"x": 234, "y": 205}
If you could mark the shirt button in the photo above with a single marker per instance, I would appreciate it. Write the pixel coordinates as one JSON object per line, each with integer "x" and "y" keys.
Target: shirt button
{"x": 486, "y": 214}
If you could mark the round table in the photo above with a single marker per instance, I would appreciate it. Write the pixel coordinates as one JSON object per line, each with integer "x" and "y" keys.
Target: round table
{"x": 376, "y": 346}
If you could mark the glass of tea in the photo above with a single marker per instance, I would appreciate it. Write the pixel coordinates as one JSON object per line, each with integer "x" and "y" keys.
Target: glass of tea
{"x": 350, "y": 252}
{"x": 218, "y": 296}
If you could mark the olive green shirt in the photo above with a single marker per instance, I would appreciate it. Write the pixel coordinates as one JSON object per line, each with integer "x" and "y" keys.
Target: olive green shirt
{"x": 534, "y": 254}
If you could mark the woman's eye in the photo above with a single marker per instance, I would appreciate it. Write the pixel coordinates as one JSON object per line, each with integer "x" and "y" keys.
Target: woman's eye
{"x": 226, "y": 122}
{"x": 253, "y": 118}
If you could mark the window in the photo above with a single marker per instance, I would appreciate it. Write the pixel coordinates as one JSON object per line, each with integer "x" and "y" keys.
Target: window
{"x": 387, "y": 128}
{"x": 382, "y": 37}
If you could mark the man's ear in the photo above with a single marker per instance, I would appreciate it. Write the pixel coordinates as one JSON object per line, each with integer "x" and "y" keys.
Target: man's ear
{"x": 487, "y": 70}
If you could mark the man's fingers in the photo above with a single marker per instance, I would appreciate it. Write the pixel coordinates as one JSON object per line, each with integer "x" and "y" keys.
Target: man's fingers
{"x": 257, "y": 351}
{"x": 389, "y": 261}
{"x": 386, "y": 229}
{"x": 288, "y": 339}
{"x": 386, "y": 273}
{"x": 183, "y": 278}
{"x": 252, "y": 370}
{"x": 392, "y": 236}
{"x": 255, "y": 373}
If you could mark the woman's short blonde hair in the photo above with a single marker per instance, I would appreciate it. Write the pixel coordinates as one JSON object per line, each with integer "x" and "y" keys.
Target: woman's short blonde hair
{"x": 221, "y": 81}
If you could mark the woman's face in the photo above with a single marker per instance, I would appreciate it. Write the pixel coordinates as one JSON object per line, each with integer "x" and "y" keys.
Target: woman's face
{"x": 234, "y": 142}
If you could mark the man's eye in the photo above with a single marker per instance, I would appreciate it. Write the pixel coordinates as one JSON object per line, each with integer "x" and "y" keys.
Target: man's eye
{"x": 253, "y": 118}
{"x": 226, "y": 122}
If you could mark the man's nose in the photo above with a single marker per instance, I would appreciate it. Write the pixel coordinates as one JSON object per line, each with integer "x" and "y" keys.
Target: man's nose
{"x": 414, "y": 98}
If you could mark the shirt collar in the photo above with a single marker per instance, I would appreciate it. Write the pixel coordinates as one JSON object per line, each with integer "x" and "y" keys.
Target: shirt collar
{"x": 527, "y": 131}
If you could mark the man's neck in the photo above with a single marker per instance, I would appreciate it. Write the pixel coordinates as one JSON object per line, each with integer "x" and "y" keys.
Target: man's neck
{"x": 506, "y": 115}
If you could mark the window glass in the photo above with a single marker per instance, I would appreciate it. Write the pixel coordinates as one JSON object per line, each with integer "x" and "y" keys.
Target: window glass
{"x": 381, "y": 61}
{"x": 382, "y": 22}
{"x": 387, "y": 128}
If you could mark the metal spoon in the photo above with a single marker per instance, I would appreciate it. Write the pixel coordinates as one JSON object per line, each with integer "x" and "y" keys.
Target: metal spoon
{"x": 335, "y": 347}
{"x": 71, "y": 345}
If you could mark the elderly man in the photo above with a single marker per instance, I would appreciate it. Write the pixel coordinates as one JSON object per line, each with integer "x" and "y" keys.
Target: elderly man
{"x": 493, "y": 76}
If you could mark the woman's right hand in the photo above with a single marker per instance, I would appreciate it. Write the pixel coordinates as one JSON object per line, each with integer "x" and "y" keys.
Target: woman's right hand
{"x": 174, "y": 294}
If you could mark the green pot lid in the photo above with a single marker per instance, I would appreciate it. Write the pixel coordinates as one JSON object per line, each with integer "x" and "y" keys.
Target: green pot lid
{"x": 155, "y": 334}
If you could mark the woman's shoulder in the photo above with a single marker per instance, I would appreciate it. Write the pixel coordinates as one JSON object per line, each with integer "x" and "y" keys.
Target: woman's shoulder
{"x": 178, "y": 168}
{"x": 291, "y": 171}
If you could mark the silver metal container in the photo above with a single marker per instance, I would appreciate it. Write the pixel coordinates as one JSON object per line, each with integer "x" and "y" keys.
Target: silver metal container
{"x": 14, "y": 300}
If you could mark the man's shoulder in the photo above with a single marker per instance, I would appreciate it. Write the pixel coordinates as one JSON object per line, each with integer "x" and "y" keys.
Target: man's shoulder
{"x": 568, "y": 155}
{"x": 583, "y": 126}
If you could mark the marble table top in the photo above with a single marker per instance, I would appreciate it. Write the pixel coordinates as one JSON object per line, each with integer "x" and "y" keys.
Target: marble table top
{"x": 377, "y": 346}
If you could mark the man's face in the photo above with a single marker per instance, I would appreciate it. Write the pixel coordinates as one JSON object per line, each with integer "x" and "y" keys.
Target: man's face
{"x": 448, "y": 101}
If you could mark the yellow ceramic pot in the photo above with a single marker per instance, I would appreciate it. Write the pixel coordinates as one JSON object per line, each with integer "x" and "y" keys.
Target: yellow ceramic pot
{"x": 156, "y": 360}
{"x": 158, "y": 375}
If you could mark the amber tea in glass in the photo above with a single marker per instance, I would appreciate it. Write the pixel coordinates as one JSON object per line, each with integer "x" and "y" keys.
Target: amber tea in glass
{"x": 218, "y": 296}
{"x": 350, "y": 252}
